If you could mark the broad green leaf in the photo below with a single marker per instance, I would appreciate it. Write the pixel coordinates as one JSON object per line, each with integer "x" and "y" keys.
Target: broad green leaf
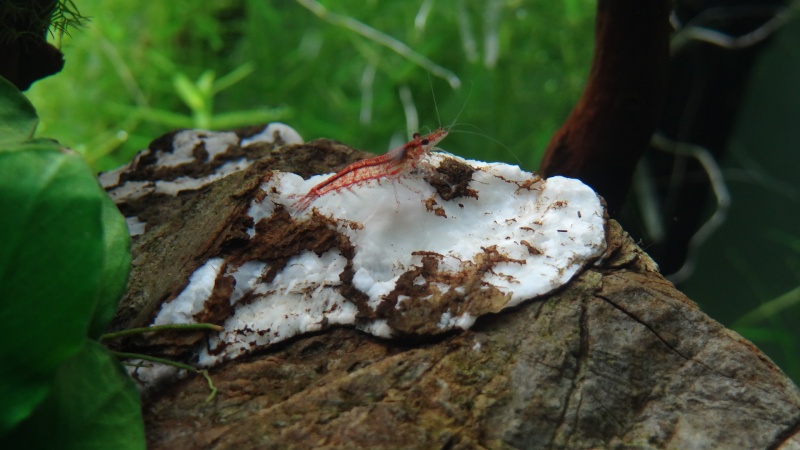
{"x": 92, "y": 404}
{"x": 51, "y": 264}
{"x": 116, "y": 266}
{"x": 18, "y": 119}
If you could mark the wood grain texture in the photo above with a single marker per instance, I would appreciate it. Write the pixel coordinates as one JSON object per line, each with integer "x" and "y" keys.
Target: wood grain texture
{"x": 616, "y": 359}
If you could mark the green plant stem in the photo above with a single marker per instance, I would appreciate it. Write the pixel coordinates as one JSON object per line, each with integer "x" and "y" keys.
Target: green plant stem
{"x": 211, "y": 386}
{"x": 772, "y": 308}
{"x": 204, "y": 373}
{"x": 160, "y": 328}
{"x": 155, "y": 359}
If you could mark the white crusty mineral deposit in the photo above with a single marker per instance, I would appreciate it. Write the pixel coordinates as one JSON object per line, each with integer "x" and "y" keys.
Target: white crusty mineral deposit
{"x": 411, "y": 263}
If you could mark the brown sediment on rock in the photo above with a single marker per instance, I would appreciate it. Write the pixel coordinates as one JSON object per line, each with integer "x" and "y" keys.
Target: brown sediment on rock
{"x": 186, "y": 229}
{"x": 451, "y": 180}
{"x": 618, "y": 357}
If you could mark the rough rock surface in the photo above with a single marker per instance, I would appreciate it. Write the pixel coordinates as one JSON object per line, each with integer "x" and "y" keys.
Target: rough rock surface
{"x": 616, "y": 359}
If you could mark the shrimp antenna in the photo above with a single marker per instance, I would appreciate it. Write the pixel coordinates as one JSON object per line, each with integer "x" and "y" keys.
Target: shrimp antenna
{"x": 463, "y": 106}
{"x": 479, "y": 132}
{"x": 433, "y": 93}
{"x": 436, "y": 103}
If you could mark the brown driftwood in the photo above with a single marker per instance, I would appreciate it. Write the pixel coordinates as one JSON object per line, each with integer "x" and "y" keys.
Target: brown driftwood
{"x": 607, "y": 131}
{"x": 617, "y": 358}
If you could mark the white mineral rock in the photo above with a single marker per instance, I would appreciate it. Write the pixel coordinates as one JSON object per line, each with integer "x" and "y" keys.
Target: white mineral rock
{"x": 514, "y": 238}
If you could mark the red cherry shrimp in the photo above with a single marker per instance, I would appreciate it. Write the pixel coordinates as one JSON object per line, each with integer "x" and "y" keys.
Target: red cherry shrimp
{"x": 391, "y": 165}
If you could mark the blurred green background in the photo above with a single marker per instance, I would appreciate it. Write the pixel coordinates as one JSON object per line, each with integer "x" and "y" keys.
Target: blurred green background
{"x": 507, "y": 72}
{"x": 140, "y": 69}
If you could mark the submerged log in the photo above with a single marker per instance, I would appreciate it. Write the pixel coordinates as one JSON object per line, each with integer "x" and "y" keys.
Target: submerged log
{"x": 616, "y": 358}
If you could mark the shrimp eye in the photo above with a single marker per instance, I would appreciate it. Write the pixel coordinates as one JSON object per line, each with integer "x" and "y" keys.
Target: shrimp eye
{"x": 415, "y": 135}
{"x": 425, "y": 142}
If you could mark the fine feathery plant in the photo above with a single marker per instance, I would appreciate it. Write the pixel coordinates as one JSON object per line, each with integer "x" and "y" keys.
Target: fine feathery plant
{"x": 337, "y": 70}
{"x": 26, "y": 20}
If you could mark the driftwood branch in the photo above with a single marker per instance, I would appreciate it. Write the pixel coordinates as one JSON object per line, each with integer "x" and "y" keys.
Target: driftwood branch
{"x": 606, "y": 133}
{"x": 618, "y": 357}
